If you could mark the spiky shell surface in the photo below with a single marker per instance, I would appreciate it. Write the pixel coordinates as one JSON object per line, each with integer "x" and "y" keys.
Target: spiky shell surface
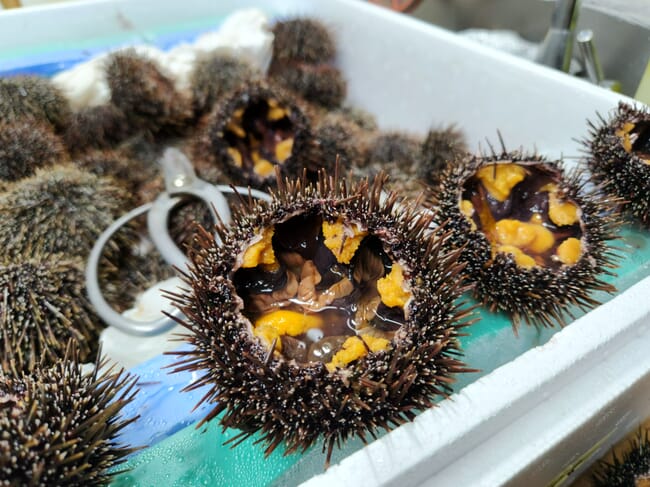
{"x": 632, "y": 468}
{"x": 218, "y": 140}
{"x": 215, "y": 76}
{"x": 321, "y": 84}
{"x": 399, "y": 155}
{"x": 32, "y": 98}
{"x": 44, "y": 306}
{"x": 26, "y": 146}
{"x": 298, "y": 403}
{"x": 440, "y": 147}
{"x": 147, "y": 97}
{"x": 61, "y": 209}
{"x": 620, "y": 164}
{"x": 538, "y": 295}
{"x": 302, "y": 40}
{"x": 130, "y": 172}
{"x": 97, "y": 127}
{"x": 336, "y": 138}
{"x": 60, "y": 426}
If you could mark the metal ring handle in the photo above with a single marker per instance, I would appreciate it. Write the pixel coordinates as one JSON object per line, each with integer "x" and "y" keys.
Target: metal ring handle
{"x": 211, "y": 195}
{"x": 105, "y": 310}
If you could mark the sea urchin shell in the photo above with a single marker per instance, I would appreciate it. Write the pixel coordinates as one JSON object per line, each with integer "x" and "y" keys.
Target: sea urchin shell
{"x": 60, "y": 426}
{"x": 619, "y": 158}
{"x": 329, "y": 311}
{"x": 534, "y": 241}
{"x": 44, "y": 305}
{"x": 59, "y": 209}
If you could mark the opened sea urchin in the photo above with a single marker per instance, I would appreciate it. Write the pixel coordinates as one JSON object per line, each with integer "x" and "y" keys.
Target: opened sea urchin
{"x": 255, "y": 130}
{"x": 619, "y": 158}
{"x": 327, "y": 313}
{"x": 533, "y": 240}
{"x": 60, "y": 426}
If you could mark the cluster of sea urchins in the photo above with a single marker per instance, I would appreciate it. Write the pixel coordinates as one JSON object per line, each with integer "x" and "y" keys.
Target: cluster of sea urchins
{"x": 330, "y": 311}
{"x": 60, "y": 426}
{"x": 619, "y": 158}
{"x": 533, "y": 240}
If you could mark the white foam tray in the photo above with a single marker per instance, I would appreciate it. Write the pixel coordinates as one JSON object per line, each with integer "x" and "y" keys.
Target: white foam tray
{"x": 529, "y": 419}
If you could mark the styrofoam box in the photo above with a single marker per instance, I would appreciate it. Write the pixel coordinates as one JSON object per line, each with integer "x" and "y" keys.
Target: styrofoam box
{"x": 528, "y": 420}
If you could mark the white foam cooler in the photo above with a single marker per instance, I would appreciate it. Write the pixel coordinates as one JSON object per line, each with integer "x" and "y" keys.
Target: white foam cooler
{"x": 528, "y": 420}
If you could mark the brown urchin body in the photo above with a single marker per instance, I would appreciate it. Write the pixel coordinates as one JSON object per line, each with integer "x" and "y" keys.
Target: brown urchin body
{"x": 32, "y": 98}
{"x": 302, "y": 40}
{"x": 147, "y": 97}
{"x": 214, "y": 77}
{"x": 255, "y": 130}
{"x": 60, "y": 426}
{"x": 26, "y": 146}
{"x": 96, "y": 127}
{"x": 288, "y": 387}
{"x": 398, "y": 154}
{"x": 535, "y": 243}
{"x": 619, "y": 158}
{"x": 440, "y": 147}
{"x": 44, "y": 306}
{"x": 61, "y": 209}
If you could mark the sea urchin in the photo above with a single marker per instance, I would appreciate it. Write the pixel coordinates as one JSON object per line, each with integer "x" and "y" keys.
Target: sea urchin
{"x": 59, "y": 426}
{"x": 619, "y": 158}
{"x": 534, "y": 241}
{"x": 330, "y": 311}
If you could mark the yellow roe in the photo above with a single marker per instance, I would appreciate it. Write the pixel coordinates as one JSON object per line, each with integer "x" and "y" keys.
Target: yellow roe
{"x": 521, "y": 259}
{"x": 499, "y": 179}
{"x": 282, "y": 322}
{"x": 391, "y": 288}
{"x": 624, "y": 134}
{"x": 569, "y": 251}
{"x": 354, "y": 348}
{"x": 534, "y": 237}
{"x": 342, "y": 240}
{"x": 283, "y": 150}
{"x": 260, "y": 252}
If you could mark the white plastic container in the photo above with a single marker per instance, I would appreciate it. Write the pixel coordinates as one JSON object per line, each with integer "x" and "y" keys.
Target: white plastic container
{"x": 528, "y": 420}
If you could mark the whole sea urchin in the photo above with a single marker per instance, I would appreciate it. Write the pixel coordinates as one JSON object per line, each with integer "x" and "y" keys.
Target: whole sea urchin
{"x": 60, "y": 426}
{"x": 534, "y": 241}
{"x": 59, "y": 209}
{"x": 330, "y": 311}
{"x": 619, "y": 158}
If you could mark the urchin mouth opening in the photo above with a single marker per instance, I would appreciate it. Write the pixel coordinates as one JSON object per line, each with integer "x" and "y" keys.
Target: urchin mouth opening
{"x": 260, "y": 136}
{"x": 522, "y": 213}
{"x": 320, "y": 290}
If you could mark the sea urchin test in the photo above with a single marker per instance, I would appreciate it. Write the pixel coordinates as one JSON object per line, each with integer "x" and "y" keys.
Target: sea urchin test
{"x": 533, "y": 240}
{"x": 619, "y": 158}
{"x": 326, "y": 312}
